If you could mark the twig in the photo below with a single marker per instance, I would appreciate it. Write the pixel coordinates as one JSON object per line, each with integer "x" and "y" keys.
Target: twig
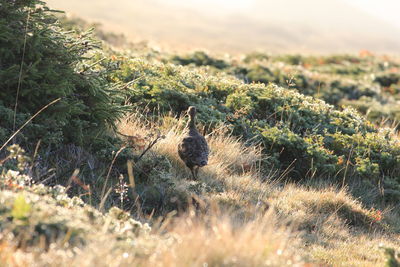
{"x": 92, "y": 65}
{"x": 20, "y": 69}
{"x": 132, "y": 82}
{"x": 35, "y": 155}
{"x": 347, "y": 165}
{"x": 148, "y": 148}
{"x": 109, "y": 171}
{"x": 103, "y": 199}
{"x": 28, "y": 121}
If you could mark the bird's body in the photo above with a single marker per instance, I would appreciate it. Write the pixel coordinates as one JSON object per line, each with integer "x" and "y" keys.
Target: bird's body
{"x": 193, "y": 149}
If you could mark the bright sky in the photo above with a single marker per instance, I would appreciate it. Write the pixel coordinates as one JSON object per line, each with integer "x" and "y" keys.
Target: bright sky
{"x": 235, "y": 4}
{"x": 227, "y": 5}
{"x": 388, "y": 10}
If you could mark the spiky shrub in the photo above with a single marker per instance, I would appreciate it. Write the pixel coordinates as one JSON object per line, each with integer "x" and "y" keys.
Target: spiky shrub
{"x": 369, "y": 84}
{"x": 300, "y": 134}
{"x": 40, "y": 63}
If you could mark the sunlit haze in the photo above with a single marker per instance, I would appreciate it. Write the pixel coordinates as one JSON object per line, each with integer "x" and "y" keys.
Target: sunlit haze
{"x": 387, "y": 10}
{"x": 222, "y": 5}
{"x": 301, "y": 26}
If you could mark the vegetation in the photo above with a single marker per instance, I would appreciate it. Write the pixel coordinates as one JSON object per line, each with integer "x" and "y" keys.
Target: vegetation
{"x": 302, "y": 136}
{"x": 294, "y": 178}
{"x": 41, "y": 63}
{"x": 366, "y": 82}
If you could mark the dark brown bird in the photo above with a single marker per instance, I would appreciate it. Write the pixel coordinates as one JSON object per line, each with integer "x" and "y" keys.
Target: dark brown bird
{"x": 193, "y": 149}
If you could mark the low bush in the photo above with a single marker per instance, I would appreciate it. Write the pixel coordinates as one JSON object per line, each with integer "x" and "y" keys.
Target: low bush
{"x": 300, "y": 134}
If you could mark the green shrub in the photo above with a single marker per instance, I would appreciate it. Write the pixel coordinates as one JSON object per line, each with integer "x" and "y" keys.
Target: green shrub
{"x": 199, "y": 58}
{"x": 55, "y": 64}
{"x": 336, "y": 79}
{"x": 387, "y": 79}
{"x": 300, "y": 134}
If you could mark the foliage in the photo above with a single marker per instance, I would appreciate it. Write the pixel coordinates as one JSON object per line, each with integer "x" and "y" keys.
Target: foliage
{"x": 341, "y": 79}
{"x": 368, "y": 83}
{"x": 39, "y": 62}
{"x": 300, "y": 134}
{"x": 20, "y": 208}
{"x": 45, "y": 226}
{"x": 42, "y": 214}
{"x": 199, "y": 58}
{"x": 77, "y": 24}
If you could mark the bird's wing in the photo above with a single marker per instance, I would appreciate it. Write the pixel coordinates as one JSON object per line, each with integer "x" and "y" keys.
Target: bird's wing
{"x": 204, "y": 148}
{"x": 185, "y": 148}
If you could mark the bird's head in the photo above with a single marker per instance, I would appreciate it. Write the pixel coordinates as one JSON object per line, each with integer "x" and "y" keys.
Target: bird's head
{"x": 191, "y": 111}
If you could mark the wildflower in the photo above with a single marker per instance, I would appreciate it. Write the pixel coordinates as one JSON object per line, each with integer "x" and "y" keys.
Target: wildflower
{"x": 121, "y": 189}
{"x": 376, "y": 215}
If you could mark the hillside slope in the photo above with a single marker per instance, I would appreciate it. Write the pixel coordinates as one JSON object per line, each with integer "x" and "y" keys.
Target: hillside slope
{"x": 242, "y": 220}
{"x": 291, "y": 180}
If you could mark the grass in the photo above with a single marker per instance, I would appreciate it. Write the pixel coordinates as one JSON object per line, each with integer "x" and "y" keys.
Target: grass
{"x": 329, "y": 219}
{"x": 326, "y": 220}
{"x": 187, "y": 240}
{"x": 235, "y": 215}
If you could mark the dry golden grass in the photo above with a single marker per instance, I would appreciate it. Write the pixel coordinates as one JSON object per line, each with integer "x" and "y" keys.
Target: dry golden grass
{"x": 336, "y": 229}
{"x": 189, "y": 240}
{"x": 245, "y": 220}
{"x": 228, "y": 154}
{"x": 330, "y": 220}
{"x": 217, "y": 242}
{"x": 233, "y": 169}
{"x": 362, "y": 250}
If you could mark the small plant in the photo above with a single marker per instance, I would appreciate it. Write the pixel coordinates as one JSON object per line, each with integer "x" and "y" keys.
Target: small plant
{"x": 21, "y": 208}
{"x": 17, "y": 154}
{"x": 376, "y": 215}
{"x": 122, "y": 190}
{"x": 13, "y": 168}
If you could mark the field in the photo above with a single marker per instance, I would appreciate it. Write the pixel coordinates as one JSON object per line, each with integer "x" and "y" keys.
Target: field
{"x": 304, "y": 167}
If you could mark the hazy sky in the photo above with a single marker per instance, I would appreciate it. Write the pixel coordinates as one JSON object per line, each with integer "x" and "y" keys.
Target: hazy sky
{"x": 388, "y": 10}
{"x": 237, "y": 26}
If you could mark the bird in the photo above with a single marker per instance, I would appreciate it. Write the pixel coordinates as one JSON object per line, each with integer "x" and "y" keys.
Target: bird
{"x": 193, "y": 149}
